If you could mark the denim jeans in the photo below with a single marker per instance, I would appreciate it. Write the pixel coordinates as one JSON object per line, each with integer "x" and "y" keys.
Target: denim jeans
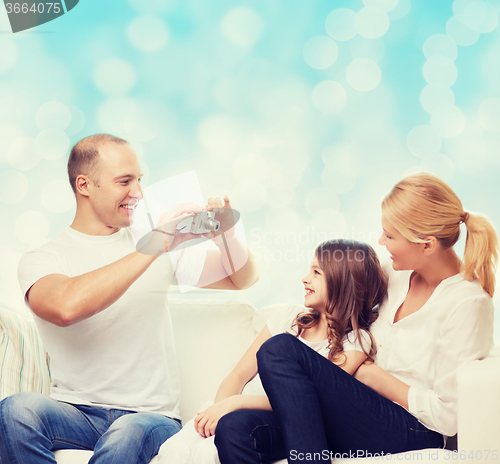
{"x": 33, "y": 425}
{"x": 317, "y": 408}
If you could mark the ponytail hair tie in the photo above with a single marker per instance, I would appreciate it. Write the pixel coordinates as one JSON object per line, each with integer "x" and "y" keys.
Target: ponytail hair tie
{"x": 464, "y": 218}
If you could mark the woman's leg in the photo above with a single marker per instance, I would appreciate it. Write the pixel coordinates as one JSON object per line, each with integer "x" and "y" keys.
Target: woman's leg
{"x": 320, "y": 407}
{"x": 249, "y": 437}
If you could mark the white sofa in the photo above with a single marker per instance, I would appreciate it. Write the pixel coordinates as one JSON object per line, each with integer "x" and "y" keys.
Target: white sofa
{"x": 211, "y": 336}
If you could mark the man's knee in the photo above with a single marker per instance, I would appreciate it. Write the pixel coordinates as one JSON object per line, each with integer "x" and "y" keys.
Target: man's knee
{"x": 23, "y": 407}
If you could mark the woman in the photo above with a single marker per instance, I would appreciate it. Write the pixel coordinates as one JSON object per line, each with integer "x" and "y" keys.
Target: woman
{"x": 437, "y": 316}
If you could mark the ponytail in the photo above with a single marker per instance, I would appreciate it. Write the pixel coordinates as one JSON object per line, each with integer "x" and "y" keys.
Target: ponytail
{"x": 481, "y": 251}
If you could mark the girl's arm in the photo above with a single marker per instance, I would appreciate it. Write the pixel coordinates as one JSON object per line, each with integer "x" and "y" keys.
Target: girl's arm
{"x": 228, "y": 397}
{"x": 354, "y": 359}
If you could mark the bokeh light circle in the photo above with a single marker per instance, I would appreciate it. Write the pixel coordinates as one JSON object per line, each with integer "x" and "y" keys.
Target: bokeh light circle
{"x": 360, "y": 47}
{"x": 329, "y": 97}
{"x": 363, "y": 74}
{"x": 32, "y": 228}
{"x": 439, "y": 165}
{"x": 14, "y": 186}
{"x": 423, "y": 141}
{"x": 77, "y": 121}
{"x": 478, "y": 15}
{"x": 460, "y": 33}
{"x": 250, "y": 167}
{"x": 53, "y": 115}
{"x": 242, "y": 26}
{"x": 8, "y": 55}
{"x": 153, "y": 6}
{"x": 219, "y": 134}
{"x": 448, "y": 120}
{"x": 320, "y": 199}
{"x": 489, "y": 114}
{"x": 320, "y": 52}
{"x": 432, "y": 97}
{"x": 22, "y": 154}
{"x": 148, "y": 33}
{"x": 372, "y": 22}
{"x": 249, "y": 196}
{"x": 385, "y": 5}
{"x": 401, "y": 10}
{"x": 114, "y": 76}
{"x": 58, "y": 196}
{"x": 440, "y": 44}
{"x": 342, "y": 158}
{"x": 52, "y": 144}
{"x": 440, "y": 72}
{"x": 340, "y": 25}
{"x": 336, "y": 181}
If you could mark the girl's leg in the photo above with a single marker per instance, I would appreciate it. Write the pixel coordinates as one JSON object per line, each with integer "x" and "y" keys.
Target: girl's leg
{"x": 249, "y": 437}
{"x": 321, "y": 408}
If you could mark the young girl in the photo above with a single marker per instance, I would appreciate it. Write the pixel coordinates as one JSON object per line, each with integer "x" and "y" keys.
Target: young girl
{"x": 343, "y": 289}
{"x": 438, "y": 315}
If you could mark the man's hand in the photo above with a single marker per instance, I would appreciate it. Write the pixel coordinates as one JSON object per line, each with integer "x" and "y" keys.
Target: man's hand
{"x": 206, "y": 421}
{"x": 223, "y": 214}
{"x": 165, "y": 236}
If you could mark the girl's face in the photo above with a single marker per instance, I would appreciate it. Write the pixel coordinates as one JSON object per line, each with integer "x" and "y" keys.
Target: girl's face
{"x": 405, "y": 255}
{"x": 316, "y": 294}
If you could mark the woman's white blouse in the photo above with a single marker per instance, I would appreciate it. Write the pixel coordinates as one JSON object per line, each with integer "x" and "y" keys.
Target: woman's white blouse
{"x": 425, "y": 349}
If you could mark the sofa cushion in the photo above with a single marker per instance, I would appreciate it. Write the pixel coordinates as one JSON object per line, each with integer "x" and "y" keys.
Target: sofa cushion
{"x": 23, "y": 361}
{"x": 210, "y": 338}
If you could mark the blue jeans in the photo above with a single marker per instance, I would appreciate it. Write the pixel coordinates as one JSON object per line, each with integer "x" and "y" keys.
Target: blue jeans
{"x": 33, "y": 425}
{"x": 317, "y": 408}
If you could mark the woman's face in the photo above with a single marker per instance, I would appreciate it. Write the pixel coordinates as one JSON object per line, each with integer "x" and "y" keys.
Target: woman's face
{"x": 405, "y": 255}
{"x": 316, "y": 293}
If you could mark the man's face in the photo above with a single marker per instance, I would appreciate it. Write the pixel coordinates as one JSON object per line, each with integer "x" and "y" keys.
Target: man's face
{"x": 117, "y": 191}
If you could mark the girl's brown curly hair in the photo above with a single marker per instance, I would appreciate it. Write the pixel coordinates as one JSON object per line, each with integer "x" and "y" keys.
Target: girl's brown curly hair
{"x": 356, "y": 286}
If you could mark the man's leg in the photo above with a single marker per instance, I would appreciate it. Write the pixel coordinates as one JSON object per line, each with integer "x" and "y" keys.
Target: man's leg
{"x": 133, "y": 438}
{"x": 33, "y": 425}
{"x": 320, "y": 407}
{"x": 249, "y": 437}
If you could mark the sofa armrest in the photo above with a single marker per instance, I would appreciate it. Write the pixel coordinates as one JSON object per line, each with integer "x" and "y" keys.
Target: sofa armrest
{"x": 479, "y": 408}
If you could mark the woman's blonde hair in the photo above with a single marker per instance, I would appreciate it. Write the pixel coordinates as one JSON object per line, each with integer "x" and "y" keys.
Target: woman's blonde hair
{"x": 421, "y": 205}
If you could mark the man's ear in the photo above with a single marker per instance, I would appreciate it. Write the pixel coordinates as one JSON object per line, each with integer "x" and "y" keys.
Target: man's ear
{"x": 82, "y": 185}
{"x": 431, "y": 244}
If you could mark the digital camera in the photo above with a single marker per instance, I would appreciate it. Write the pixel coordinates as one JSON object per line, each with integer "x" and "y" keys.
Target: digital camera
{"x": 204, "y": 222}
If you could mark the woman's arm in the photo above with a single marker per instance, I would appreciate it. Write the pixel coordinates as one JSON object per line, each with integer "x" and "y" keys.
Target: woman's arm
{"x": 228, "y": 397}
{"x": 383, "y": 383}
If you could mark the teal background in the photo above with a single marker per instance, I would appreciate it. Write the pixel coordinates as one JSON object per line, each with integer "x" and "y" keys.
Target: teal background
{"x": 264, "y": 101}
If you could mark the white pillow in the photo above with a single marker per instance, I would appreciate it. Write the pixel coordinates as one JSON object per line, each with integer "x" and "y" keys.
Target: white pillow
{"x": 23, "y": 361}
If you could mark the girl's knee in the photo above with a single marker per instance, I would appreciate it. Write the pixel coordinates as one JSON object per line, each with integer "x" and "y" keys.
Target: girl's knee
{"x": 277, "y": 347}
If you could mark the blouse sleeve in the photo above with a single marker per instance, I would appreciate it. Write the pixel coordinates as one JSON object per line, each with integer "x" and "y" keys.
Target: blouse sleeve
{"x": 466, "y": 335}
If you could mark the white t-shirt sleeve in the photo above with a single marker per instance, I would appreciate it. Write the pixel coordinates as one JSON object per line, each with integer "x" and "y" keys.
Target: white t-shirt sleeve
{"x": 188, "y": 264}
{"x": 282, "y": 318}
{"x": 37, "y": 264}
{"x": 462, "y": 339}
{"x": 351, "y": 343}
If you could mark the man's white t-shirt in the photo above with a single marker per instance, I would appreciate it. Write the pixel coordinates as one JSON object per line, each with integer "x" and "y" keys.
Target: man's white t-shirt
{"x": 123, "y": 357}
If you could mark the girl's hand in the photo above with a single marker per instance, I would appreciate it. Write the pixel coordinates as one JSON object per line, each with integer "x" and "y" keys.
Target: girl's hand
{"x": 206, "y": 421}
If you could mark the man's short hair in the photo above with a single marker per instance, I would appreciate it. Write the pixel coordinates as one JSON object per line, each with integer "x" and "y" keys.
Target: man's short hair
{"x": 84, "y": 157}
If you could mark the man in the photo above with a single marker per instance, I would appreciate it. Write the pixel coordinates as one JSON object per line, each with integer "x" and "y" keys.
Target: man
{"x": 101, "y": 310}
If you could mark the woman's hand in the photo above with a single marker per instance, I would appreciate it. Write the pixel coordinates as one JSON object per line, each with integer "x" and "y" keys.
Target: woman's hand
{"x": 206, "y": 421}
